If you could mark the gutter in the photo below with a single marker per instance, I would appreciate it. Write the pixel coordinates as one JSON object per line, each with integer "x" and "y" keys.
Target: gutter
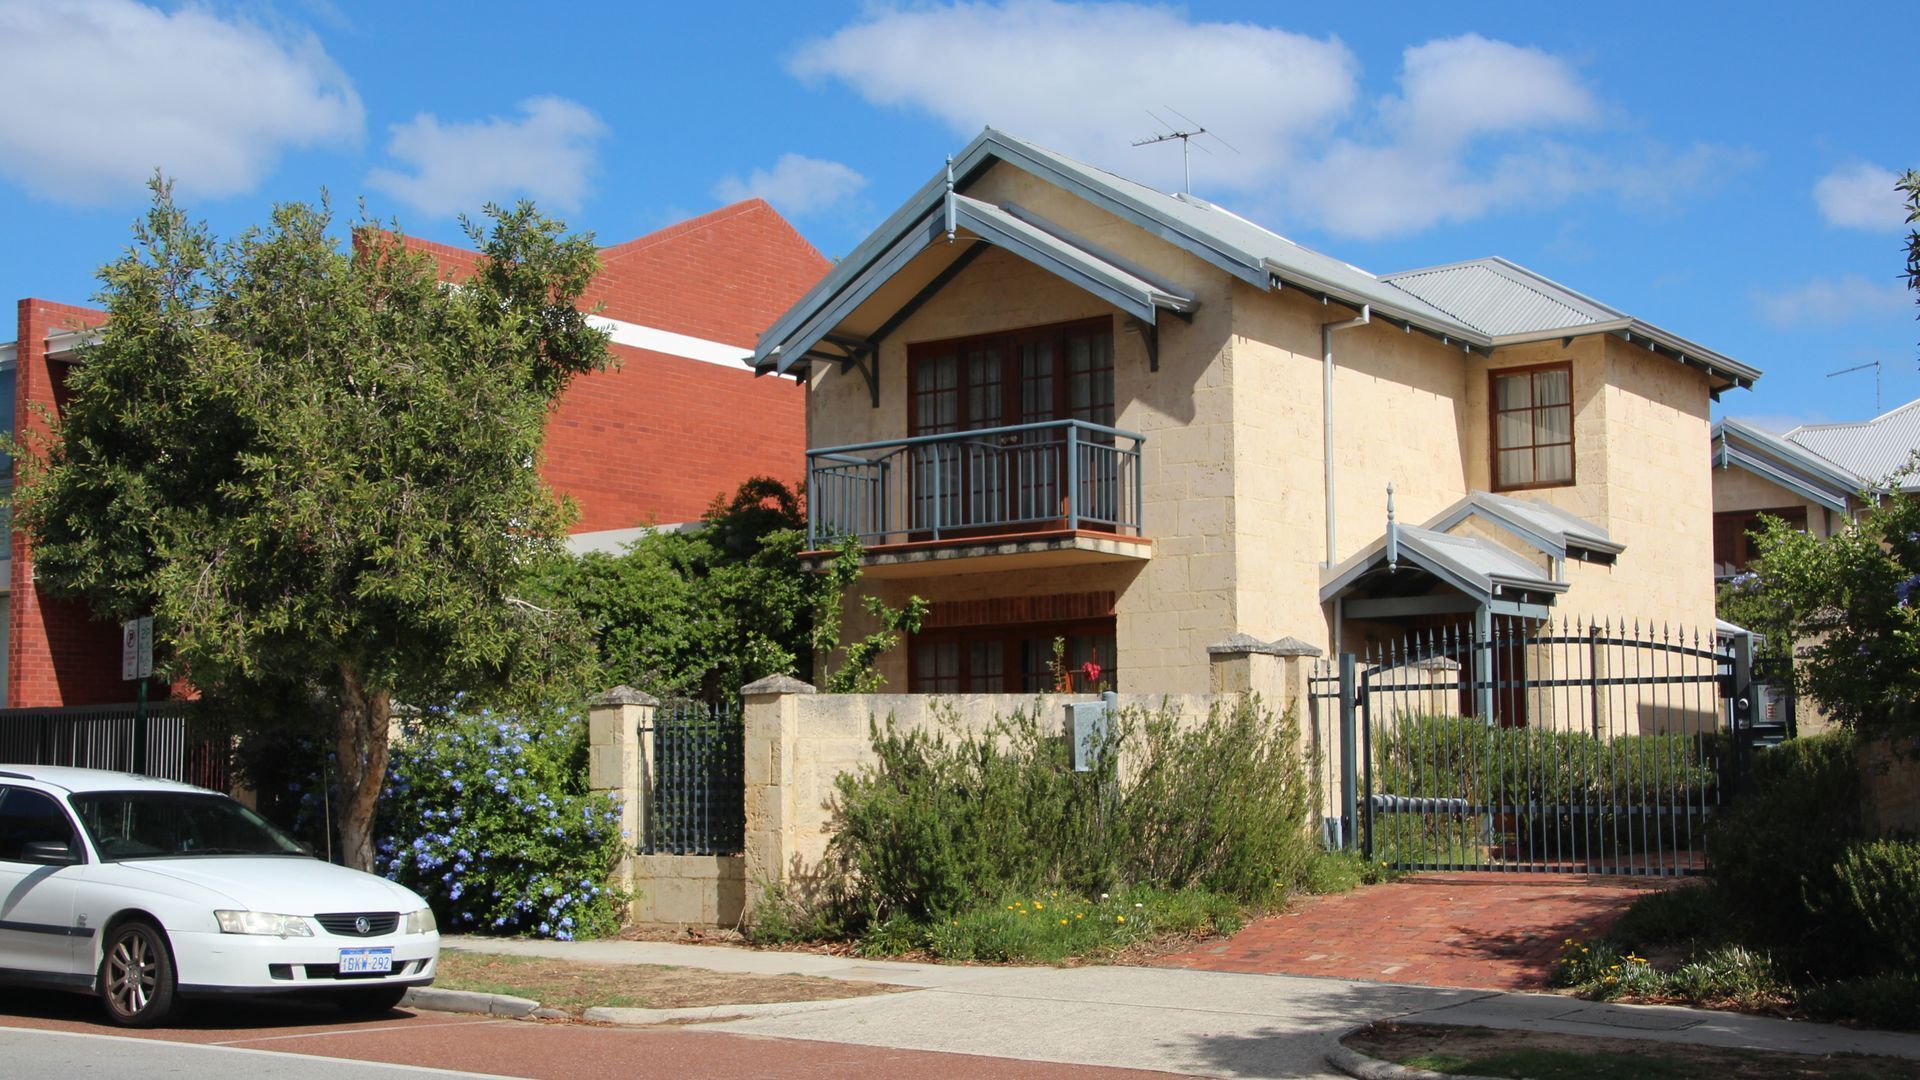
{"x": 1326, "y": 409}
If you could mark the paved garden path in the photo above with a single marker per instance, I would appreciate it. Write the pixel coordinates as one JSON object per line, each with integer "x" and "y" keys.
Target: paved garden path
{"x": 1487, "y": 931}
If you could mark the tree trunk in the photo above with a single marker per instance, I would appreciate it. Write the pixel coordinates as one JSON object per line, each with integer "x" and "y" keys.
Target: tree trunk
{"x": 361, "y": 745}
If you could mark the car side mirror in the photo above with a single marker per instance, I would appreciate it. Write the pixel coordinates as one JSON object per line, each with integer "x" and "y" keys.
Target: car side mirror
{"x": 49, "y": 853}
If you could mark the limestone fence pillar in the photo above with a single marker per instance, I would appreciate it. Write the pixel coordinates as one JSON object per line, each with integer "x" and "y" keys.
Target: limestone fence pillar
{"x": 620, "y": 764}
{"x": 771, "y": 715}
{"x": 1276, "y": 670}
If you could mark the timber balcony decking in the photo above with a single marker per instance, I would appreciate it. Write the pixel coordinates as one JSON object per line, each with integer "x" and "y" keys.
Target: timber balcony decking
{"x": 1062, "y": 491}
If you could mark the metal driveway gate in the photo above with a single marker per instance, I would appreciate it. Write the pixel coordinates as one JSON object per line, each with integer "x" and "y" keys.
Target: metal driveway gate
{"x": 1583, "y": 748}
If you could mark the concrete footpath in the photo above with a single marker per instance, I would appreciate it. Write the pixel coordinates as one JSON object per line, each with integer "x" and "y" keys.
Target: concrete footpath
{"x": 1202, "y": 1023}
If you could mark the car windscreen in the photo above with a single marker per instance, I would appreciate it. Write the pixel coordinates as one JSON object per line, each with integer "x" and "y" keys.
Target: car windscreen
{"x": 175, "y": 824}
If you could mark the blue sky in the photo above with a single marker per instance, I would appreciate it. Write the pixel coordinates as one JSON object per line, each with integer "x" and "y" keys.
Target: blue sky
{"x": 1723, "y": 171}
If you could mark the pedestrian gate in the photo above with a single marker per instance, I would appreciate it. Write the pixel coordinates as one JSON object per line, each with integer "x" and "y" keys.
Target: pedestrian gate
{"x": 1582, "y": 747}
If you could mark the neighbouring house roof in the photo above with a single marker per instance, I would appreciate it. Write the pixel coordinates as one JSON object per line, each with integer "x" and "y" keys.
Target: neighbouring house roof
{"x": 1545, "y": 526}
{"x": 1441, "y": 301}
{"x": 1872, "y": 450}
{"x": 1786, "y": 464}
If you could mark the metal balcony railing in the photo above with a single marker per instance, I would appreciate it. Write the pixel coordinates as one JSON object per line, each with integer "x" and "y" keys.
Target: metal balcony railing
{"x": 1060, "y": 474}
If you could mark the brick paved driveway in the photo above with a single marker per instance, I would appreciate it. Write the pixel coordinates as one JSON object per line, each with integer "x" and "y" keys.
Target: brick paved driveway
{"x": 1487, "y": 931}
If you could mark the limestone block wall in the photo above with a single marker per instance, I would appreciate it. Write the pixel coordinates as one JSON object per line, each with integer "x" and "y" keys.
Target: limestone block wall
{"x": 1398, "y": 418}
{"x": 799, "y": 742}
{"x": 1183, "y": 598}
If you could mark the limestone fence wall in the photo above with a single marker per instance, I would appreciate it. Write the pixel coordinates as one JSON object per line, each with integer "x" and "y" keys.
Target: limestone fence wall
{"x": 797, "y": 742}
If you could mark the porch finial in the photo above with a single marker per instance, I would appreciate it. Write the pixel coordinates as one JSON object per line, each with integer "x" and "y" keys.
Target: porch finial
{"x": 1393, "y": 535}
{"x": 951, "y": 225}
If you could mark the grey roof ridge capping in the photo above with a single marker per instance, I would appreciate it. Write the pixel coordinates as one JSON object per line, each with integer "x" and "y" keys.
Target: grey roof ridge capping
{"x": 1239, "y": 643}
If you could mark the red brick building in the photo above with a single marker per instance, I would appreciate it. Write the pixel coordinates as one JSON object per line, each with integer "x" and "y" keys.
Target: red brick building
{"x": 680, "y": 420}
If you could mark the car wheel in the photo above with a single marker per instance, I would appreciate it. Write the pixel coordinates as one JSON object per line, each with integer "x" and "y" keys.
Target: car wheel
{"x": 136, "y": 975}
{"x": 371, "y": 1001}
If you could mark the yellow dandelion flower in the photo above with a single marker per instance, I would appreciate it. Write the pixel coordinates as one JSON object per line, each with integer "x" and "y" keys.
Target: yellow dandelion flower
{"x": 1080, "y": 915}
{"x": 1063, "y": 922}
{"x": 1038, "y": 906}
{"x": 1119, "y": 918}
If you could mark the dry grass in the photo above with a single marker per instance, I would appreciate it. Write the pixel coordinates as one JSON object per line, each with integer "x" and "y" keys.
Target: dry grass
{"x": 573, "y": 986}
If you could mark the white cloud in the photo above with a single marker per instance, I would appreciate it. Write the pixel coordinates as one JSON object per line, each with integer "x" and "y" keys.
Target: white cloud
{"x": 1080, "y": 78}
{"x": 548, "y": 155}
{"x": 101, "y": 92}
{"x": 1860, "y": 196}
{"x": 796, "y": 184}
{"x": 1475, "y": 125}
{"x": 1826, "y": 301}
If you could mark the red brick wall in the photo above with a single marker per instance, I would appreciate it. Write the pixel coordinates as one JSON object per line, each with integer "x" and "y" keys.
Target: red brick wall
{"x": 56, "y": 654}
{"x": 655, "y": 440}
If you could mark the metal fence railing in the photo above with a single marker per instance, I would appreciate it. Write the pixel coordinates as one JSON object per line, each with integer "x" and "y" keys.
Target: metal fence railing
{"x": 110, "y": 737}
{"x": 1060, "y": 474}
{"x": 697, "y": 779}
{"x": 1580, "y": 747}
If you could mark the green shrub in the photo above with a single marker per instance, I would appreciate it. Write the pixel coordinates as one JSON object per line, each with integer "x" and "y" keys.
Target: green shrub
{"x": 1053, "y": 926}
{"x": 941, "y": 825}
{"x": 1679, "y": 916}
{"x": 1877, "y": 895}
{"x": 1460, "y": 757}
{"x": 1342, "y": 871}
{"x": 1883, "y": 1001}
{"x": 1726, "y": 973}
{"x": 781, "y": 918}
{"x": 489, "y": 817}
{"x": 1603, "y": 970}
{"x": 1771, "y": 854}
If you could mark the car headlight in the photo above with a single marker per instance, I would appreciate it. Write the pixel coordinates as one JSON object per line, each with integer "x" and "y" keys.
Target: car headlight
{"x": 421, "y": 922}
{"x": 262, "y": 922}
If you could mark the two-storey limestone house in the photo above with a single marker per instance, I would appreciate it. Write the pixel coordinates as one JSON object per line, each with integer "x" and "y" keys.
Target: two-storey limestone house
{"x": 1058, "y": 404}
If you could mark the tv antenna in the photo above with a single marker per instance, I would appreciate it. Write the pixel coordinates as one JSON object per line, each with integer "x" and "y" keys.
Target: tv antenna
{"x": 1186, "y": 135}
{"x": 1875, "y": 365}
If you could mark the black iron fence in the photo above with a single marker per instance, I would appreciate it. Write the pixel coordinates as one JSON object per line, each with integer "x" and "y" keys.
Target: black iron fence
{"x": 114, "y": 737}
{"x": 1582, "y": 747}
{"x": 698, "y": 791}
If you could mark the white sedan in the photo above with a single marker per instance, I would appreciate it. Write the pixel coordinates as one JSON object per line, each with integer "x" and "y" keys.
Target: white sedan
{"x": 147, "y": 893}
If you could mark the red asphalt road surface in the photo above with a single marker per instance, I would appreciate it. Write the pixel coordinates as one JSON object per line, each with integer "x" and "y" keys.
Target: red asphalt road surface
{"x": 555, "y": 1049}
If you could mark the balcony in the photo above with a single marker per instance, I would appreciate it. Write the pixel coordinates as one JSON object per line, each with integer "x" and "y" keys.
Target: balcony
{"x": 1061, "y": 492}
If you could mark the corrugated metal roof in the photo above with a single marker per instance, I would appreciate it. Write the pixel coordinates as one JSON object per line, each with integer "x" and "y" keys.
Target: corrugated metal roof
{"x": 1494, "y": 291}
{"x": 1871, "y": 449}
{"x": 1546, "y": 526}
{"x": 1497, "y": 297}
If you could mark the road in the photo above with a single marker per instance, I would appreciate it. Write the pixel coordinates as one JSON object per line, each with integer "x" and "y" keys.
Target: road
{"x": 54, "y": 1035}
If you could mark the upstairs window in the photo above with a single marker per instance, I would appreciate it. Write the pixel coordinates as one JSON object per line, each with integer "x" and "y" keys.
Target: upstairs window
{"x": 1532, "y": 427}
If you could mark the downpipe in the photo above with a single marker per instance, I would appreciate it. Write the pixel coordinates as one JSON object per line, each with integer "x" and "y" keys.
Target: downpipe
{"x": 1326, "y": 409}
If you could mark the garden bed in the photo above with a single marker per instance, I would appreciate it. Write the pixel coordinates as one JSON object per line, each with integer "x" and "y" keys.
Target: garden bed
{"x": 574, "y": 986}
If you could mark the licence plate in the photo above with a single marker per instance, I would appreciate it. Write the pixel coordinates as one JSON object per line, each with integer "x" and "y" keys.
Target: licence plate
{"x": 365, "y": 961}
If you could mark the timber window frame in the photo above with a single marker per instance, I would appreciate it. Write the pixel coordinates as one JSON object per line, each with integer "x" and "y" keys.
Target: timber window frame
{"x": 1530, "y": 427}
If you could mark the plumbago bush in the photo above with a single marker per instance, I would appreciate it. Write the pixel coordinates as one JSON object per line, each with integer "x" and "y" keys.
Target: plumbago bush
{"x": 488, "y": 816}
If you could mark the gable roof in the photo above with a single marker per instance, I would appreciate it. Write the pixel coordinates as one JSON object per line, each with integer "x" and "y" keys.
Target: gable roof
{"x": 1872, "y": 450}
{"x": 1478, "y": 568}
{"x": 1544, "y": 525}
{"x": 1245, "y": 250}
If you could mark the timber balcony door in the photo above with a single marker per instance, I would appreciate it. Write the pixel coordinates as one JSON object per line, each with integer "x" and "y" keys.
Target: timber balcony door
{"x": 1011, "y": 464}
